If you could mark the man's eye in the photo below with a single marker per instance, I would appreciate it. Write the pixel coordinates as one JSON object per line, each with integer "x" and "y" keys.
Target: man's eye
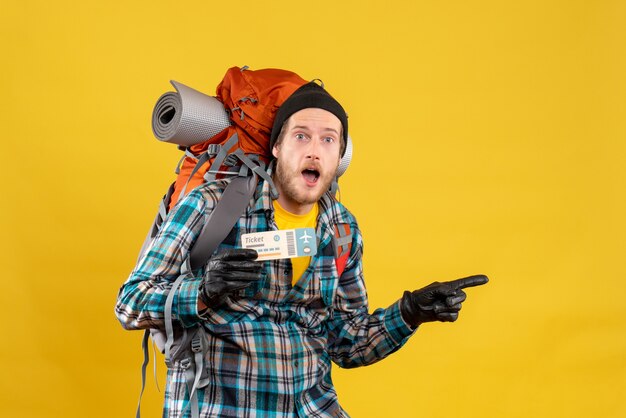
{"x": 300, "y": 137}
{"x": 329, "y": 139}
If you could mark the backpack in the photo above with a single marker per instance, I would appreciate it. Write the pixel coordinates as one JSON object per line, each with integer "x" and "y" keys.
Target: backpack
{"x": 223, "y": 136}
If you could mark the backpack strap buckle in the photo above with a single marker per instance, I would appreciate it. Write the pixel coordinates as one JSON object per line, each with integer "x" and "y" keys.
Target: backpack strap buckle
{"x": 213, "y": 150}
{"x": 185, "y": 363}
{"x": 231, "y": 160}
{"x": 196, "y": 343}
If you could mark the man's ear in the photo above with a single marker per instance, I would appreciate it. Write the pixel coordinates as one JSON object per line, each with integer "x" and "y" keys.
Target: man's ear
{"x": 275, "y": 151}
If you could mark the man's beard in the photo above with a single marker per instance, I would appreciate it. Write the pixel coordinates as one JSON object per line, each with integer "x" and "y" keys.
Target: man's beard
{"x": 286, "y": 180}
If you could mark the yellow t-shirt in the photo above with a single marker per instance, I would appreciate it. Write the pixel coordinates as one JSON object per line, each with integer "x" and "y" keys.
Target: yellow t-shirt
{"x": 288, "y": 220}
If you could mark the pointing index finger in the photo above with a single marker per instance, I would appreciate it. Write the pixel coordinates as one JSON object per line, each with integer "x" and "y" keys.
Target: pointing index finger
{"x": 471, "y": 281}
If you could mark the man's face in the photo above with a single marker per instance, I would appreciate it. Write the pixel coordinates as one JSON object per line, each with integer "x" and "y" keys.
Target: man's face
{"x": 308, "y": 153}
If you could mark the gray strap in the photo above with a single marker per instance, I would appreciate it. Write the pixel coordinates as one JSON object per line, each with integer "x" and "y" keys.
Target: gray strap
{"x": 162, "y": 212}
{"x": 334, "y": 187}
{"x": 180, "y": 163}
{"x": 165, "y": 202}
{"x": 187, "y": 153}
{"x": 146, "y": 359}
{"x": 345, "y": 240}
{"x": 158, "y": 220}
{"x": 194, "y": 390}
{"x": 196, "y": 348}
{"x": 190, "y": 154}
{"x": 193, "y": 398}
{"x": 192, "y": 376}
{"x": 154, "y": 366}
{"x": 220, "y": 157}
{"x": 258, "y": 170}
{"x": 169, "y": 323}
{"x": 211, "y": 173}
{"x": 148, "y": 241}
{"x": 227, "y": 211}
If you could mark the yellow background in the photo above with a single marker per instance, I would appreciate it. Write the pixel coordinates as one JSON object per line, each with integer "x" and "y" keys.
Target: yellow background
{"x": 489, "y": 138}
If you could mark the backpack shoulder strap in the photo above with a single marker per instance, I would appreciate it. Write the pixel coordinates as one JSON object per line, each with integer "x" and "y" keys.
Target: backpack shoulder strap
{"x": 228, "y": 209}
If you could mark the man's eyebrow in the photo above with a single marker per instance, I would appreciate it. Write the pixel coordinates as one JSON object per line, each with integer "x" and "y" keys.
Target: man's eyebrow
{"x": 307, "y": 128}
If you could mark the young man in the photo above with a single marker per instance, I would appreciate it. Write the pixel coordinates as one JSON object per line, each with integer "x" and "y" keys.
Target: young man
{"x": 273, "y": 327}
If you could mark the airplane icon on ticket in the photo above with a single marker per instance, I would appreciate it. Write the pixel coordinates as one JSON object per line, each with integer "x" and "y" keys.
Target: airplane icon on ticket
{"x": 306, "y": 237}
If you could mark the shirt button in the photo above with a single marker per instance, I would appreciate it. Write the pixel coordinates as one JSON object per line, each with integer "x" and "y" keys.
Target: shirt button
{"x": 295, "y": 363}
{"x": 286, "y": 272}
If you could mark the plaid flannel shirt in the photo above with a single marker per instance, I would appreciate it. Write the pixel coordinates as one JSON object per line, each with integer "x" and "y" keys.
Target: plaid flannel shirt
{"x": 270, "y": 347}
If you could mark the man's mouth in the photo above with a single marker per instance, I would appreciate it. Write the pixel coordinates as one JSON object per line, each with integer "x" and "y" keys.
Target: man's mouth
{"x": 310, "y": 176}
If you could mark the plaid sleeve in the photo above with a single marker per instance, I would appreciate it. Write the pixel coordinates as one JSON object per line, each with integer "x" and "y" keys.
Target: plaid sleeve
{"x": 141, "y": 300}
{"x": 356, "y": 337}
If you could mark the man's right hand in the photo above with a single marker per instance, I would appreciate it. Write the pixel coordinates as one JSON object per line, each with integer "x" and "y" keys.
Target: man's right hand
{"x": 228, "y": 272}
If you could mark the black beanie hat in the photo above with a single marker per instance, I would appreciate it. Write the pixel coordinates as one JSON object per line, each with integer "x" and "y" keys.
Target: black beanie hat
{"x": 308, "y": 96}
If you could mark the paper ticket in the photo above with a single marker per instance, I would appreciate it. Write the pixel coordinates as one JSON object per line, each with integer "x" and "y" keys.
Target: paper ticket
{"x": 272, "y": 245}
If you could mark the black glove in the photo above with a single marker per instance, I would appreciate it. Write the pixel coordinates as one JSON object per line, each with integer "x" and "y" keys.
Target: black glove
{"x": 437, "y": 301}
{"x": 228, "y": 272}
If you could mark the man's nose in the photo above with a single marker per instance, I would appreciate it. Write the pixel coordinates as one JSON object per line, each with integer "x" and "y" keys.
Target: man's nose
{"x": 313, "y": 148}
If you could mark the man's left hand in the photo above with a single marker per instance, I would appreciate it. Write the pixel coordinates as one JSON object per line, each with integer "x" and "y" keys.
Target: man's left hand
{"x": 437, "y": 301}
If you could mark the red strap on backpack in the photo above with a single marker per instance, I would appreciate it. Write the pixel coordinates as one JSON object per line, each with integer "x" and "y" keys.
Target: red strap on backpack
{"x": 343, "y": 246}
{"x": 341, "y": 263}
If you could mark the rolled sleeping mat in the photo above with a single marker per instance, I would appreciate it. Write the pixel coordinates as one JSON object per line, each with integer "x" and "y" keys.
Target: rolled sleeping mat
{"x": 187, "y": 116}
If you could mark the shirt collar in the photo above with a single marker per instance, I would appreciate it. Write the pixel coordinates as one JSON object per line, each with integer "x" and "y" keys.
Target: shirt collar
{"x": 262, "y": 200}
